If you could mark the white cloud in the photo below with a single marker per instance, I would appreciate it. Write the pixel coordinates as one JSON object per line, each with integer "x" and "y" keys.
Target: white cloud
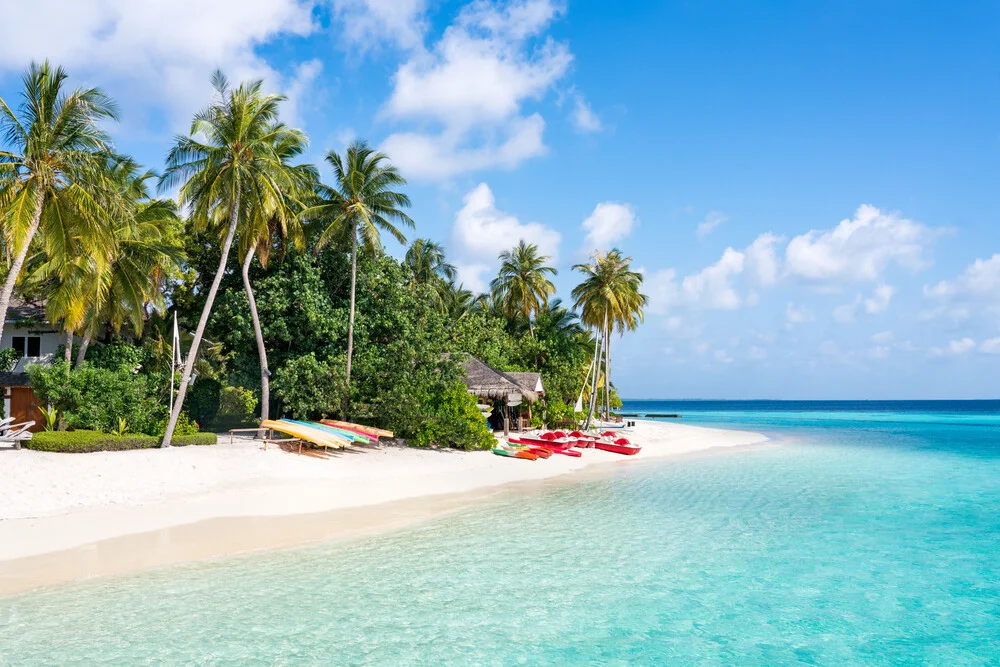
{"x": 990, "y": 346}
{"x": 980, "y": 280}
{"x": 662, "y": 290}
{"x": 879, "y": 301}
{"x": 711, "y": 288}
{"x": 710, "y": 222}
{"x": 762, "y": 259}
{"x": 481, "y": 232}
{"x": 882, "y": 337}
{"x": 610, "y": 222}
{"x": 859, "y": 249}
{"x": 150, "y": 53}
{"x": 954, "y": 348}
{"x": 298, "y": 90}
{"x": 584, "y": 118}
{"x": 370, "y": 22}
{"x": 798, "y": 314}
{"x": 472, "y": 84}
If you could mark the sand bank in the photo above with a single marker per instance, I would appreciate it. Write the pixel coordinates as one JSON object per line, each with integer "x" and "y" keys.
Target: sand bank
{"x": 66, "y": 516}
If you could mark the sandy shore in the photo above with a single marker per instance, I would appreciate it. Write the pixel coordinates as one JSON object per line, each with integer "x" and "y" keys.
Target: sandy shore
{"x": 66, "y": 516}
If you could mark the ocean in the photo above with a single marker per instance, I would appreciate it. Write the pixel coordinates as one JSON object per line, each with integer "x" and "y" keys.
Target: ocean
{"x": 864, "y": 533}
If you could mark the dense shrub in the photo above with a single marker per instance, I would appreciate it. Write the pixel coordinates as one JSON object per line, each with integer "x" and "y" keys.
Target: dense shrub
{"x": 96, "y": 398}
{"x": 88, "y": 441}
{"x": 454, "y": 421}
{"x": 117, "y": 357}
{"x": 194, "y": 439}
{"x": 311, "y": 387}
{"x": 8, "y": 359}
{"x": 237, "y": 404}
{"x": 202, "y": 401}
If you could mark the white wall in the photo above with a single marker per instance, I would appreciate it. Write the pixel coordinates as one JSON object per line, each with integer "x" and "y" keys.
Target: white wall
{"x": 51, "y": 339}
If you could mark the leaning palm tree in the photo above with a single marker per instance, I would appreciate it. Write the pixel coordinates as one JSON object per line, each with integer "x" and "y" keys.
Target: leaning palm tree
{"x": 272, "y": 220}
{"x": 610, "y": 299}
{"x": 363, "y": 203}
{"x": 428, "y": 266}
{"x": 52, "y": 158}
{"x": 522, "y": 287}
{"x": 231, "y": 151}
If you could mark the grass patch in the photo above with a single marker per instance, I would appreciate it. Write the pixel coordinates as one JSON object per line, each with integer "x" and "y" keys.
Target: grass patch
{"x": 80, "y": 442}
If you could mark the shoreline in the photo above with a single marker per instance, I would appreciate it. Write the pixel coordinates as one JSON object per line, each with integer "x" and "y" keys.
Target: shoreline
{"x": 166, "y": 507}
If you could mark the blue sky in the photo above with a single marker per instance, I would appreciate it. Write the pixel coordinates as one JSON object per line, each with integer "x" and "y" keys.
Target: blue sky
{"x": 809, "y": 188}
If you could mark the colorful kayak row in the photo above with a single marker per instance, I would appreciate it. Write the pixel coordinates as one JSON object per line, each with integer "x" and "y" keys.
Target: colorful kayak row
{"x": 534, "y": 447}
{"x": 327, "y": 433}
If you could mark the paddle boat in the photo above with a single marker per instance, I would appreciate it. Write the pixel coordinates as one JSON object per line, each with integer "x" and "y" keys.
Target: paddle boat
{"x": 619, "y": 446}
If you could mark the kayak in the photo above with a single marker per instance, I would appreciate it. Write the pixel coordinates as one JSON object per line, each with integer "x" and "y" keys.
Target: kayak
{"x": 626, "y": 449}
{"x": 360, "y": 428}
{"x": 307, "y": 433}
{"x": 515, "y": 453}
{"x": 347, "y": 435}
{"x": 555, "y": 449}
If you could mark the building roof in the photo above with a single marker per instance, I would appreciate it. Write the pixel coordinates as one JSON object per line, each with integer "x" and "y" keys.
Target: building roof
{"x": 485, "y": 381}
{"x": 14, "y": 380}
{"x": 19, "y": 310}
{"x": 531, "y": 382}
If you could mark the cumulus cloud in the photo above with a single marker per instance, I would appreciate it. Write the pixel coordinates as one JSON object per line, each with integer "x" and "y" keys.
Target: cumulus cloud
{"x": 153, "y": 52}
{"x": 859, "y": 249}
{"x": 472, "y": 85}
{"x": 712, "y": 286}
{"x": 610, "y": 222}
{"x": 710, "y": 222}
{"x": 879, "y": 301}
{"x": 990, "y": 346}
{"x": 481, "y": 232}
{"x": 368, "y": 22}
{"x": 954, "y": 348}
{"x": 762, "y": 259}
{"x": 980, "y": 280}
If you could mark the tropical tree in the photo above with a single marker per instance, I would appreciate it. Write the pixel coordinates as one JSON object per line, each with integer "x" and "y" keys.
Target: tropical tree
{"x": 610, "y": 299}
{"x": 232, "y": 150}
{"x": 363, "y": 203}
{"x": 52, "y": 169}
{"x": 428, "y": 266}
{"x": 522, "y": 286}
{"x": 271, "y": 222}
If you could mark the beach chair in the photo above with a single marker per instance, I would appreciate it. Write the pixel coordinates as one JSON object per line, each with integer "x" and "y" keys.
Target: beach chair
{"x": 14, "y": 434}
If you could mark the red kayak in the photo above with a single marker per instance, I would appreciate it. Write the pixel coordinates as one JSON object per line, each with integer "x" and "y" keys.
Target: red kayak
{"x": 619, "y": 447}
{"x": 549, "y": 447}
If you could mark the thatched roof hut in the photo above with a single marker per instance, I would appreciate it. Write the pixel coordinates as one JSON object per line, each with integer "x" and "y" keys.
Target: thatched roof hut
{"x": 484, "y": 381}
{"x": 530, "y": 383}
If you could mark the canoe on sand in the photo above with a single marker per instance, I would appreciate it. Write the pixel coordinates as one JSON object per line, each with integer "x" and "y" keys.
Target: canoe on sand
{"x": 353, "y": 437}
{"x": 366, "y": 430}
{"x": 515, "y": 453}
{"x": 306, "y": 433}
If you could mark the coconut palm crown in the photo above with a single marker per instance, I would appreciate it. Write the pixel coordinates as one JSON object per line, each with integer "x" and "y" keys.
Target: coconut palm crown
{"x": 522, "y": 287}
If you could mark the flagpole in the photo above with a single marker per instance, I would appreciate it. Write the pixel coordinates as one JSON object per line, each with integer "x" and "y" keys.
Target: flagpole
{"x": 173, "y": 357}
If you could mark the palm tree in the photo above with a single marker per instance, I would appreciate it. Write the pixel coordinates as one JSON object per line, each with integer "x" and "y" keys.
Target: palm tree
{"x": 363, "y": 203}
{"x": 609, "y": 299}
{"x": 52, "y": 168}
{"x": 458, "y": 301}
{"x": 273, "y": 221}
{"x": 522, "y": 287}
{"x": 428, "y": 266}
{"x": 232, "y": 150}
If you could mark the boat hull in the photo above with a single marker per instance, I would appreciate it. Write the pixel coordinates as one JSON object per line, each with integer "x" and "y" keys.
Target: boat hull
{"x": 626, "y": 450}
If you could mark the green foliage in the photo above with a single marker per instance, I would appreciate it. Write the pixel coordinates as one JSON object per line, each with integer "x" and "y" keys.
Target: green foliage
{"x": 122, "y": 427}
{"x": 8, "y": 359}
{"x": 117, "y": 357}
{"x": 310, "y": 387}
{"x": 95, "y": 398}
{"x": 185, "y": 426}
{"x": 83, "y": 441}
{"x": 237, "y": 403}
{"x": 454, "y": 421}
{"x": 182, "y": 440}
{"x": 203, "y": 398}
{"x": 51, "y": 417}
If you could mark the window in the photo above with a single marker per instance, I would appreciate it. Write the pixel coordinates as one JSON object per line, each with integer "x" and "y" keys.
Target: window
{"x": 27, "y": 346}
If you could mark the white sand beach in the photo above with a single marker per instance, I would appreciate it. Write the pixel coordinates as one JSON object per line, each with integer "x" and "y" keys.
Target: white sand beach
{"x": 66, "y": 516}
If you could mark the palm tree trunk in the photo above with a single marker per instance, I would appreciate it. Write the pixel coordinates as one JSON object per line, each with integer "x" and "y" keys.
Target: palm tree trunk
{"x": 265, "y": 374}
{"x": 202, "y": 323}
{"x": 607, "y": 369}
{"x": 593, "y": 384}
{"x": 82, "y": 352}
{"x": 68, "y": 352}
{"x": 22, "y": 253}
{"x": 350, "y": 321}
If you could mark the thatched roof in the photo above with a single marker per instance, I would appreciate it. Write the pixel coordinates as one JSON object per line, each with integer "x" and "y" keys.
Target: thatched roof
{"x": 484, "y": 381}
{"x": 529, "y": 383}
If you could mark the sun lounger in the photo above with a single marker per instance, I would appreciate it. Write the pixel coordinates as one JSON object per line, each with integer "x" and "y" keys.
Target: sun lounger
{"x": 14, "y": 434}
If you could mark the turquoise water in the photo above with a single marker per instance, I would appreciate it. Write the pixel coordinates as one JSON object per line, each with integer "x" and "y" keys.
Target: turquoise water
{"x": 851, "y": 541}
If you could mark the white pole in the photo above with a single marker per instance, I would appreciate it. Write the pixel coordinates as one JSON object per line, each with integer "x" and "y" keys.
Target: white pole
{"x": 173, "y": 357}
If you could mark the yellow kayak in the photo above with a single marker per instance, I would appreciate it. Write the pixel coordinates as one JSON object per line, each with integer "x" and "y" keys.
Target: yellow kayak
{"x": 307, "y": 433}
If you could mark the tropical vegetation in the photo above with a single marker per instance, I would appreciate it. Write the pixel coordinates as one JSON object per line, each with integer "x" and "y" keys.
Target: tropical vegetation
{"x": 286, "y": 299}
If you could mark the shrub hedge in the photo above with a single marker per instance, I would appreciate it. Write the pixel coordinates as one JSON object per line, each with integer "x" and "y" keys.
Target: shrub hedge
{"x": 94, "y": 441}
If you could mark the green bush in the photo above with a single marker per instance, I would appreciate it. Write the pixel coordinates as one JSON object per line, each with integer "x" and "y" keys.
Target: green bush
{"x": 310, "y": 387}
{"x": 117, "y": 357}
{"x": 8, "y": 359}
{"x": 202, "y": 401}
{"x": 88, "y": 441}
{"x": 96, "y": 398}
{"x": 194, "y": 439}
{"x": 456, "y": 422}
{"x": 237, "y": 404}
